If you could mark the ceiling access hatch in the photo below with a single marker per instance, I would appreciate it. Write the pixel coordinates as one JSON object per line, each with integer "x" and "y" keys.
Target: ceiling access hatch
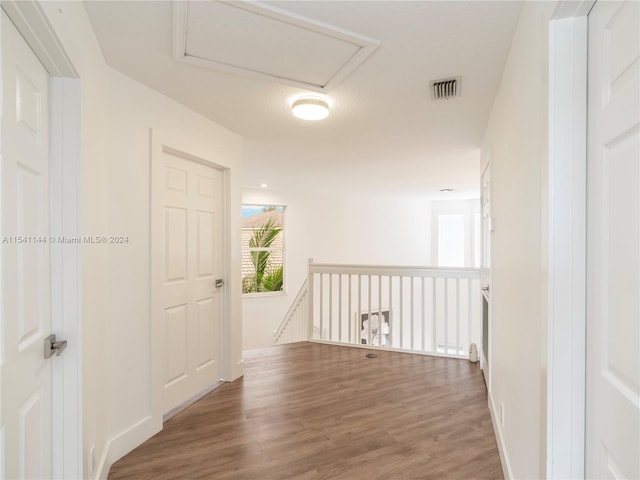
{"x": 259, "y": 40}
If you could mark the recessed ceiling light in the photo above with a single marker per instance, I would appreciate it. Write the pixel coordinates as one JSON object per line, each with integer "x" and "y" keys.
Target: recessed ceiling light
{"x": 310, "y": 107}
{"x": 447, "y": 190}
{"x": 264, "y": 185}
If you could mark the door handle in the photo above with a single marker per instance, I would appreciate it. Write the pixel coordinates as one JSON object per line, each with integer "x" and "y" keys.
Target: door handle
{"x": 219, "y": 282}
{"x": 51, "y": 346}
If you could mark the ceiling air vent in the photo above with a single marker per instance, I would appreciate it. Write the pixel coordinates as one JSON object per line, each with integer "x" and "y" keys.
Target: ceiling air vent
{"x": 445, "y": 88}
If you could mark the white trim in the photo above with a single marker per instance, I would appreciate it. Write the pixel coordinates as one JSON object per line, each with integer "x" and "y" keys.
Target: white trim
{"x": 66, "y": 296}
{"x": 65, "y": 160}
{"x": 567, "y": 241}
{"x": 367, "y": 46}
{"x": 156, "y": 338}
{"x": 502, "y": 448}
{"x": 485, "y": 274}
{"x": 187, "y": 403}
{"x": 452, "y": 356}
{"x": 121, "y": 444}
{"x": 572, "y": 9}
{"x": 2, "y": 452}
{"x": 33, "y": 24}
{"x": 226, "y": 361}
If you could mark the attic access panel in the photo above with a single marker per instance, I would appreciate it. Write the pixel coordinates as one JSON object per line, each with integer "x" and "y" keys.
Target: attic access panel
{"x": 258, "y": 40}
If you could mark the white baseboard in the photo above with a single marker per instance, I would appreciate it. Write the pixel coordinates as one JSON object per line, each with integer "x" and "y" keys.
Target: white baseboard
{"x": 103, "y": 467}
{"x": 187, "y": 403}
{"x": 118, "y": 446}
{"x": 502, "y": 448}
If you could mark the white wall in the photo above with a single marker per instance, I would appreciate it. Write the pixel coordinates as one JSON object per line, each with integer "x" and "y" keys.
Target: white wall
{"x": 515, "y": 144}
{"x": 337, "y": 228}
{"x": 117, "y": 114}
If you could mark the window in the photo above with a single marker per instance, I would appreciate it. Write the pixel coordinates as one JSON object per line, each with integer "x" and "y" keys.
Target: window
{"x": 451, "y": 240}
{"x": 455, "y": 230}
{"x": 262, "y": 249}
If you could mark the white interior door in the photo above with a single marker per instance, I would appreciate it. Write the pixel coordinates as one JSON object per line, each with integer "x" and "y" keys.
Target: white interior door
{"x": 192, "y": 304}
{"x": 613, "y": 242}
{"x": 26, "y": 312}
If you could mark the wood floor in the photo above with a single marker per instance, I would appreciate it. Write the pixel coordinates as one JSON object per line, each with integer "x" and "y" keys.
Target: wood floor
{"x": 310, "y": 411}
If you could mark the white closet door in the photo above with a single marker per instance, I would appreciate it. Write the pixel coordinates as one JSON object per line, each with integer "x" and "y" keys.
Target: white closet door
{"x": 192, "y": 305}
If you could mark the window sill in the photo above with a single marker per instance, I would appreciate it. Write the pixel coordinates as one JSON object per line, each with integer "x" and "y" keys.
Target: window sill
{"x": 264, "y": 295}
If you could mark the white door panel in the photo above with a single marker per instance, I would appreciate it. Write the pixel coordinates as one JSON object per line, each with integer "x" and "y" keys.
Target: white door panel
{"x": 192, "y": 262}
{"x": 613, "y": 242}
{"x": 26, "y": 311}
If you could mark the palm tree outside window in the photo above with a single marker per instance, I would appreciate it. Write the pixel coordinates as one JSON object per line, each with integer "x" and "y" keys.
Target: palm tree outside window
{"x": 262, "y": 249}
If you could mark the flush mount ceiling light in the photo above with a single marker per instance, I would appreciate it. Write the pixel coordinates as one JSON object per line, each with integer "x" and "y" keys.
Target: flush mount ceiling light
{"x": 310, "y": 108}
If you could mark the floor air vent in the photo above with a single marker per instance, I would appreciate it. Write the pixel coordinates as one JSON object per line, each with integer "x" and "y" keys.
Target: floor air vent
{"x": 445, "y": 88}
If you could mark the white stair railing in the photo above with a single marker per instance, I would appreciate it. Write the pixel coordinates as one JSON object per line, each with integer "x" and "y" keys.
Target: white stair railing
{"x": 430, "y": 310}
{"x": 295, "y": 324}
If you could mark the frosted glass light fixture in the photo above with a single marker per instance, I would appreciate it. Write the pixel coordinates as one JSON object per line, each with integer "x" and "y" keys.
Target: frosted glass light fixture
{"x": 310, "y": 108}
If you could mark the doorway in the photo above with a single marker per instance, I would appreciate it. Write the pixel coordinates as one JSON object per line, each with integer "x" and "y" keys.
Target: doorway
{"x": 485, "y": 273}
{"x": 588, "y": 306}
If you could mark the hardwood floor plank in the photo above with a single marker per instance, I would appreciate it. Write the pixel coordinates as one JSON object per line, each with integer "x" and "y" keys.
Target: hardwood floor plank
{"x": 309, "y": 411}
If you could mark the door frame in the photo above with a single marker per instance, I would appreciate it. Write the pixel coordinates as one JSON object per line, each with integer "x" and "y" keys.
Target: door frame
{"x": 485, "y": 362}
{"x": 162, "y": 143}
{"x": 567, "y": 209}
{"x": 66, "y": 295}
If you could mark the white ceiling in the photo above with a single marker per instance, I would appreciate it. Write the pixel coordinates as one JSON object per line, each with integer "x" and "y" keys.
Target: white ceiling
{"x": 384, "y": 134}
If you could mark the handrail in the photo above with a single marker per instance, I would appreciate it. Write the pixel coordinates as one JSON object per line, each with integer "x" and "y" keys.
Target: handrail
{"x": 290, "y": 313}
{"x": 395, "y": 270}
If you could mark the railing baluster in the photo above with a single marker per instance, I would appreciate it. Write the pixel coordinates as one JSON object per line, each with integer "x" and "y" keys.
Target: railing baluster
{"x": 380, "y": 317}
{"x": 390, "y": 311}
{"x": 412, "y": 310}
{"x": 340, "y": 307}
{"x": 469, "y": 313}
{"x": 401, "y": 295}
{"x": 350, "y": 313}
{"x": 424, "y": 326}
{"x": 331, "y": 307}
{"x": 434, "y": 346}
{"x": 307, "y": 332}
{"x": 310, "y": 295}
{"x": 358, "y": 324}
{"x": 446, "y": 315}
{"x": 322, "y": 306}
{"x": 457, "y": 316}
{"x": 369, "y": 311}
